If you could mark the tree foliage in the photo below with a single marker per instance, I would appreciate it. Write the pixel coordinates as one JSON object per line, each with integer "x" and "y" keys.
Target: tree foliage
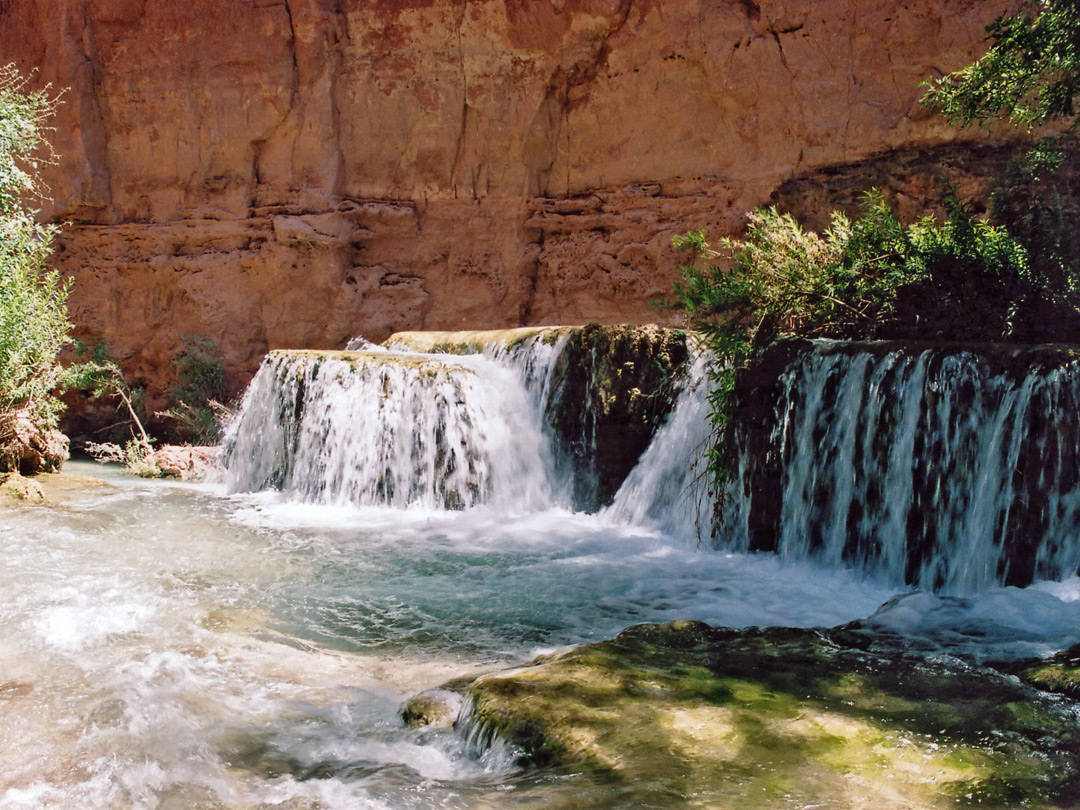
{"x": 33, "y": 310}
{"x": 198, "y": 389}
{"x": 1030, "y": 74}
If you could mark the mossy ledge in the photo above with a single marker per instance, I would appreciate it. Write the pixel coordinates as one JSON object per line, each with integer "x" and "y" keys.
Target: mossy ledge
{"x": 475, "y": 341}
{"x": 370, "y": 360}
{"x": 687, "y": 715}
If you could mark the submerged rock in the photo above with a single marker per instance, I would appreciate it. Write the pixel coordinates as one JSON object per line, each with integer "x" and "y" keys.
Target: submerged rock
{"x": 690, "y": 715}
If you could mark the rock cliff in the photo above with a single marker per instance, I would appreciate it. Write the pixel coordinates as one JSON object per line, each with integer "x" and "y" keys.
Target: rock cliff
{"x": 293, "y": 173}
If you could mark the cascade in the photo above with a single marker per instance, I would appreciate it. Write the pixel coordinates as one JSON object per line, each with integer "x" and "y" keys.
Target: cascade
{"x": 395, "y": 429}
{"x": 668, "y": 488}
{"x": 949, "y": 468}
{"x": 603, "y": 392}
{"x": 953, "y": 469}
{"x": 520, "y": 419}
{"x": 271, "y": 641}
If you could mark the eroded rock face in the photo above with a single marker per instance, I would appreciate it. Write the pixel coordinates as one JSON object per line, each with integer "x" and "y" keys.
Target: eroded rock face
{"x": 293, "y": 174}
{"x": 613, "y": 388}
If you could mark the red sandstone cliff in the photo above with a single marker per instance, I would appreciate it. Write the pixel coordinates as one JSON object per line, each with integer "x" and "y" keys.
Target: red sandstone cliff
{"x": 293, "y": 173}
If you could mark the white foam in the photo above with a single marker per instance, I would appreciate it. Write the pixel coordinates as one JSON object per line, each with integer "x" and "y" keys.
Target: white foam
{"x": 997, "y": 624}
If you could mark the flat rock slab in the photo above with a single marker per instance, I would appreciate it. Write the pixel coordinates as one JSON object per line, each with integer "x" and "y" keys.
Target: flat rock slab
{"x": 686, "y": 715}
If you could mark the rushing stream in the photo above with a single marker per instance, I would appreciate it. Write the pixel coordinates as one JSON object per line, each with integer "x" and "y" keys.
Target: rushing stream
{"x": 249, "y": 644}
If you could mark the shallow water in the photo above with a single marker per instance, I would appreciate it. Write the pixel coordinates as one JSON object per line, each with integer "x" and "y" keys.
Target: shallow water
{"x": 164, "y": 646}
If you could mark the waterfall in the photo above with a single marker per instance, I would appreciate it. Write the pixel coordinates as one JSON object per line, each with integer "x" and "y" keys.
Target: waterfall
{"x": 950, "y": 469}
{"x": 669, "y": 487}
{"x": 391, "y": 428}
{"x": 520, "y": 419}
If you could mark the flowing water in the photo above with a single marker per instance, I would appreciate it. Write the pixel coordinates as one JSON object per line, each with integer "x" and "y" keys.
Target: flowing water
{"x": 249, "y": 644}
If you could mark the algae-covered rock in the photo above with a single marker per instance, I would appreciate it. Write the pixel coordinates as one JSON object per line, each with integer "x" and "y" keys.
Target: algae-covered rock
{"x": 1059, "y": 673}
{"x": 689, "y": 715}
{"x": 21, "y": 487}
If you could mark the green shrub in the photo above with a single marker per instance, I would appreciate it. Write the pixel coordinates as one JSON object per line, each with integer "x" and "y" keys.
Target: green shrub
{"x": 1038, "y": 200}
{"x": 872, "y": 277}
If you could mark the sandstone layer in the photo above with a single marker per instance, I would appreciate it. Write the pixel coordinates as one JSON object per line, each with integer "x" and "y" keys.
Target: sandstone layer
{"x": 292, "y": 174}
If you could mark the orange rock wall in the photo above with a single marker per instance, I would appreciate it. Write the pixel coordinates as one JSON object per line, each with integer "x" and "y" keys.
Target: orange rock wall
{"x": 292, "y": 173}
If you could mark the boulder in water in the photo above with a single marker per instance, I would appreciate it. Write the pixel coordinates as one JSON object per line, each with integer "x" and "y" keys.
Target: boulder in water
{"x": 184, "y": 462}
{"x": 438, "y": 708}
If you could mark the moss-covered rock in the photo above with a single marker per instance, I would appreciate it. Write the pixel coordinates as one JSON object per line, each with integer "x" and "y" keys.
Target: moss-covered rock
{"x": 689, "y": 715}
{"x": 19, "y": 486}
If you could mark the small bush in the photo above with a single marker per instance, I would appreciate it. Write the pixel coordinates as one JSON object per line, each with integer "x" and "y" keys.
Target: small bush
{"x": 194, "y": 399}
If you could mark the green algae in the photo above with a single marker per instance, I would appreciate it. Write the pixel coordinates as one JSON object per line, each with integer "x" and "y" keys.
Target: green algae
{"x": 475, "y": 341}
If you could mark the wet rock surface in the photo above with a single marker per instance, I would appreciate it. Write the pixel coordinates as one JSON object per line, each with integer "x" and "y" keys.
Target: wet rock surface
{"x": 435, "y": 707}
{"x": 690, "y": 715}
